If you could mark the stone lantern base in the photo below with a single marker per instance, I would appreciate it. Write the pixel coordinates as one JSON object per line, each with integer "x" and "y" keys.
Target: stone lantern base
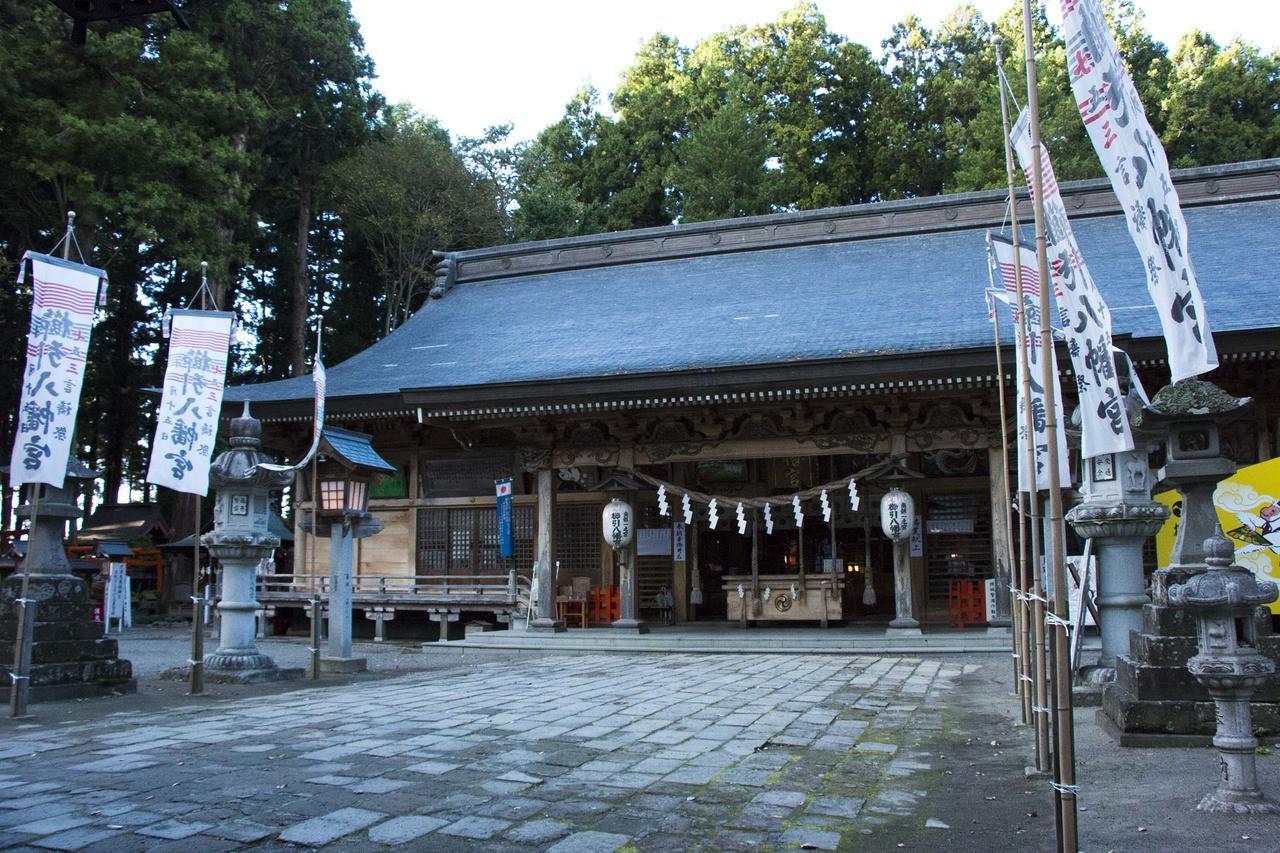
{"x": 247, "y": 669}
{"x": 70, "y": 656}
{"x": 1156, "y": 701}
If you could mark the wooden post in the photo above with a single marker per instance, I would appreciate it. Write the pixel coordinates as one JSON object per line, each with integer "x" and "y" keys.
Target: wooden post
{"x": 1064, "y": 754}
{"x": 197, "y": 612}
{"x": 545, "y": 620}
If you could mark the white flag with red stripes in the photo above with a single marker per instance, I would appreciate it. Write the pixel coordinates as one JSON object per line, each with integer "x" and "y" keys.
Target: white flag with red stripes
{"x": 64, "y": 296}
{"x": 1004, "y": 261}
{"x": 194, "y": 379}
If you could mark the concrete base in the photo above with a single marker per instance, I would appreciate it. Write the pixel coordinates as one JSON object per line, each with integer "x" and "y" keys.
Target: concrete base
{"x": 546, "y": 626}
{"x": 629, "y": 626}
{"x": 903, "y": 631}
{"x": 1219, "y": 803}
{"x": 253, "y": 676}
{"x": 343, "y": 666}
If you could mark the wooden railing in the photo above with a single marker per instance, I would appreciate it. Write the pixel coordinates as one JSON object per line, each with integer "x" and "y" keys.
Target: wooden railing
{"x": 510, "y": 590}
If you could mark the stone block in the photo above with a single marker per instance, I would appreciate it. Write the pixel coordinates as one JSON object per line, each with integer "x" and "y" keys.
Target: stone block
{"x": 1167, "y": 621}
{"x": 344, "y": 666}
{"x": 1160, "y": 650}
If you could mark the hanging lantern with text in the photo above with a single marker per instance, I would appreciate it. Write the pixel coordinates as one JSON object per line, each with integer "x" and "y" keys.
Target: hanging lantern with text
{"x": 897, "y": 514}
{"x": 616, "y": 524}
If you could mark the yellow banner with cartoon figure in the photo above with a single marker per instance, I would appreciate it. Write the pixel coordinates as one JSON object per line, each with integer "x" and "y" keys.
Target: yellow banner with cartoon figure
{"x": 1248, "y": 504}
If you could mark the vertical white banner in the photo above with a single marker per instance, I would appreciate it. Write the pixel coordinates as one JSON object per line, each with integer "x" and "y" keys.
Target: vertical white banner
{"x": 1003, "y": 259}
{"x": 1082, "y": 313}
{"x": 64, "y": 297}
{"x": 1134, "y": 160}
{"x": 187, "y": 422}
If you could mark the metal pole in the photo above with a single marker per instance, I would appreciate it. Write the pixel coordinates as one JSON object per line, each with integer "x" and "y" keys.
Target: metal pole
{"x": 315, "y": 637}
{"x": 1065, "y": 784}
{"x": 197, "y": 613}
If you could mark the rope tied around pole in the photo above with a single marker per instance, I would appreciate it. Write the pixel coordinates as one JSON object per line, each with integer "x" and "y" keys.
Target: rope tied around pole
{"x": 14, "y": 678}
{"x": 1058, "y": 622}
{"x": 1038, "y": 709}
{"x": 1065, "y": 790}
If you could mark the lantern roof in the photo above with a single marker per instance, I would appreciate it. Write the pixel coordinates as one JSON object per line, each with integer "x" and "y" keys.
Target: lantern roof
{"x": 353, "y": 449}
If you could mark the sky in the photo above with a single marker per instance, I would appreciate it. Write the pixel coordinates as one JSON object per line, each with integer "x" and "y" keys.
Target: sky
{"x": 476, "y": 64}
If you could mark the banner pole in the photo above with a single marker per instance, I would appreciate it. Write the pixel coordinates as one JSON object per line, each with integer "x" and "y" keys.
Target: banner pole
{"x": 1033, "y": 663}
{"x": 1065, "y": 783}
{"x": 20, "y": 674}
{"x": 197, "y": 612}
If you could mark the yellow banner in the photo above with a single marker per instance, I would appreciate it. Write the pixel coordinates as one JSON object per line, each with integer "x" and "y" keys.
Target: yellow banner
{"x": 1248, "y": 504}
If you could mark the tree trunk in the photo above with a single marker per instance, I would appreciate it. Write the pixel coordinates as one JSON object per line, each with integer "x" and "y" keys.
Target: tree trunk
{"x": 300, "y": 303}
{"x": 227, "y": 274}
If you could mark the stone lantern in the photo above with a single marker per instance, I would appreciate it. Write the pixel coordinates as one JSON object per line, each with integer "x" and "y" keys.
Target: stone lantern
{"x": 239, "y": 540}
{"x": 1224, "y": 599}
{"x": 1153, "y": 694}
{"x": 345, "y": 468}
{"x": 897, "y": 520}
{"x": 1118, "y": 514}
{"x": 70, "y": 657}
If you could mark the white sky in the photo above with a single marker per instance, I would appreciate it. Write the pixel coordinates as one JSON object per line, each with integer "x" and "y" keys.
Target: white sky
{"x": 475, "y": 64}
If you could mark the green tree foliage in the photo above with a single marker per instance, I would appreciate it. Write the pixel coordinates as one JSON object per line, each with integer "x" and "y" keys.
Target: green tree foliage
{"x": 842, "y": 126}
{"x": 408, "y": 194}
{"x": 1223, "y": 103}
{"x": 720, "y": 168}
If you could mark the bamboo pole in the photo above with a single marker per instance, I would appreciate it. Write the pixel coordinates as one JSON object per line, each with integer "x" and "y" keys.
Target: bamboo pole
{"x": 1025, "y": 667}
{"x": 1029, "y": 506}
{"x": 197, "y": 613}
{"x": 1015, "y": 604}
{"x": 1064, "y": 784}
{"x": 20, "y": 674}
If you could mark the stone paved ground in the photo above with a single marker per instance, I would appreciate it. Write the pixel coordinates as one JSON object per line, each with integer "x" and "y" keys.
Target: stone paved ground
{"x": 716, "y": 752}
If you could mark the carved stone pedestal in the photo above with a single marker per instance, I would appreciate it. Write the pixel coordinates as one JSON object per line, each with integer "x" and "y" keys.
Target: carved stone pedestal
{"x": 70, "y": 657}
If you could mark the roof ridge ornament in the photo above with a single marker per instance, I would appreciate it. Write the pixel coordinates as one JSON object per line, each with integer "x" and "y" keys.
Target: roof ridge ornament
{"x": 446, "y": 272}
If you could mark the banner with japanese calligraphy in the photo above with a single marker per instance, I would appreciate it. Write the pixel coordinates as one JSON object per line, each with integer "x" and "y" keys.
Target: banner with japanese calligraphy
{"x": 64, "y": 297}
{"x": 1135, "y": 161}
{"x": 1003, "y": 258}
{"x": 1082, "y": 313}
{"x": 194, "y": 379}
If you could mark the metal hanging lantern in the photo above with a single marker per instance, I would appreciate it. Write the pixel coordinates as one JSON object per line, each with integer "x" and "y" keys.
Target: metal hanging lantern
{"x": 897, "y": 514}
{"x": 616, "y": 524}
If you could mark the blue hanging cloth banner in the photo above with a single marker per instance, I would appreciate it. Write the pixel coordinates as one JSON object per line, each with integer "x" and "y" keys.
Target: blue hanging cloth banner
{"x": 503, "y": 490}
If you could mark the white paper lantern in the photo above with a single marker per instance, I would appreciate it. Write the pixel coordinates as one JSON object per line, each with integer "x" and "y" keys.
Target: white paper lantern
{"x": 897, "y": 514}
{"x": 616, "y": 523}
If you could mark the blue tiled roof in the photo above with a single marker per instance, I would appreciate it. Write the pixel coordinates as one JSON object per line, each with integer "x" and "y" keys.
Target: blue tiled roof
{"x": 914, "y": 293}
{"x": 355, "y": 447}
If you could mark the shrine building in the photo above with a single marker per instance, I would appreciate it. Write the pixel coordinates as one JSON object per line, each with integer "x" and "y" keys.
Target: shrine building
{"x": 754, "y": 357}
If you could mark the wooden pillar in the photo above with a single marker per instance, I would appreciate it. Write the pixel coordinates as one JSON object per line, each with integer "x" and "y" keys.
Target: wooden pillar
{"x": 1001, "y": 538}
{"x": 544, "y": 607}
{"x": 680, "y": 574}
{"x": 628, "y": 620}
{"x": 679, "y": 567}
